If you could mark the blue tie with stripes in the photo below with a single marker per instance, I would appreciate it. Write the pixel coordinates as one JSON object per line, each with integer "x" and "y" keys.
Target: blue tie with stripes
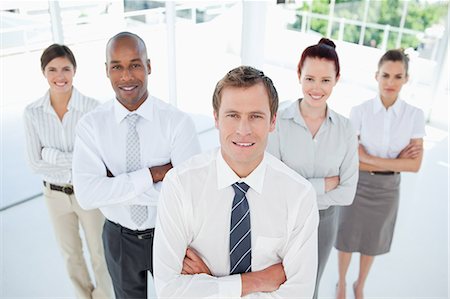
{"x": 240, "y": 232}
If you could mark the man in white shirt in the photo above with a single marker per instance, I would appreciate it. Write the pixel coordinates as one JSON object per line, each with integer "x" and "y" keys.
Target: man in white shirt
{"x": 122, "y": 152}
{"x": 236, "y": 221}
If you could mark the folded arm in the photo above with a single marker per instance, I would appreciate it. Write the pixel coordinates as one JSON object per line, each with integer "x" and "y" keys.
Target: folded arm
{"x": 157, "y": 172}
{"x": 93, "y": 185}
{"x": 57, "y": 157}
{"x": 172, "y": 239}
{"x": 409, "y": 159}
{"x": 299, "y": 256}
{"x": 340, "y": 190}
{"x": 295, "y": 276}
{"x": 266, "y": 280}
{"x": 36, "y": 153}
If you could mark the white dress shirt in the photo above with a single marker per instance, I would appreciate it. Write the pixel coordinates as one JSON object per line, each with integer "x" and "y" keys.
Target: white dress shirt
{"x": 333, "y": 151}
{"x": 385, "y": 132}
{"x": 195, "y": 210}
{"x": 165, "y": 135}
{"x": 50, "y": 140}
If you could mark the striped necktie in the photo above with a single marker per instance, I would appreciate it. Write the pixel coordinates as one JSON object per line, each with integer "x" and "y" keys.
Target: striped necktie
{"x": 240, "y": 232}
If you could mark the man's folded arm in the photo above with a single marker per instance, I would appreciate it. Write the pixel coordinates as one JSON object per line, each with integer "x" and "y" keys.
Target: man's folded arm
{"x": 299, "y": 256}
{"x": 93, "y": 185}
{"x": 176, "y": 278}
{"x": 266, "y": 280}
{"x": 172, "y": 238}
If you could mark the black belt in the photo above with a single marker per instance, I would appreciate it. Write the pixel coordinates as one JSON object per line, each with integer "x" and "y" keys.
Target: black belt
{"x": 383, "y": 172}
{"x": 140, "y": 234}
{"x": 68, "y": 189}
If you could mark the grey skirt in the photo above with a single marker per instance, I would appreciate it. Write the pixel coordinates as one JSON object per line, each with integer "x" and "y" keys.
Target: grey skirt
{"x": 367, "y": 226}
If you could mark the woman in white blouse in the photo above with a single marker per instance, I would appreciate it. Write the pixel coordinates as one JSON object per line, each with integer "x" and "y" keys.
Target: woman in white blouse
{"x": 50, "y": 131}
{"x": 318, "y": 143}
{"x": 390, "y": 134}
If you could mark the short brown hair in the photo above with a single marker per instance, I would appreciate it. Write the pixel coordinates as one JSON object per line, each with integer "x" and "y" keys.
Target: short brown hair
{"x": 55, "y": 51}
{"x": 242, "y": 77}
{"x": 395, "y": 55}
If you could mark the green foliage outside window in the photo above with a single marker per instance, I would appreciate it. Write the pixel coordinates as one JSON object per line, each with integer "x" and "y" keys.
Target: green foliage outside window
{"x": 421, "y": 15}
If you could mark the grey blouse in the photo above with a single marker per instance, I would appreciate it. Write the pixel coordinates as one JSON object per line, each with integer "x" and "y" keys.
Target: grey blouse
{"x": 332, "y": 152}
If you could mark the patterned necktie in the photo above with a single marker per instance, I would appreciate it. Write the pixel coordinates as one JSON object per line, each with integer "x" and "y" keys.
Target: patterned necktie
{"x": 138, "y": 213}
{"x": 240, "y": 232}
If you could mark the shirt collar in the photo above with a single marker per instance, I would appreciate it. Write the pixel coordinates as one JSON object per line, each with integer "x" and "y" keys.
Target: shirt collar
{"x": 397, "y": 107}
{"x": 74, "y": 101}
{"x": 45, "y": 103}
{"x": 293, "y": 112}
{"x": 145, "y": 110}
{"x": 378, "y": 105}
{"x": 227, "y": 177}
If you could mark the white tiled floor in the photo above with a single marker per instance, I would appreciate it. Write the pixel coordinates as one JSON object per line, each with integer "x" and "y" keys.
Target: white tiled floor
{"x": 417, "y": 267}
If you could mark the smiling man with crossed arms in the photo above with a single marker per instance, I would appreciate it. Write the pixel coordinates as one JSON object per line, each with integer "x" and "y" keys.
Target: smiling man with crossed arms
{"x": 236, "y": 221}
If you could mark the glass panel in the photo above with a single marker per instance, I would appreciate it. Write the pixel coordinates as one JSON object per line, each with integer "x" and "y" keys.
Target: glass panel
{"x": 206, "y": 48}
{"x": 429, "y": 19}
{"x": 25, "y": 26}
{"x": 350, "y": 10}
{"x": 87, "y": 20}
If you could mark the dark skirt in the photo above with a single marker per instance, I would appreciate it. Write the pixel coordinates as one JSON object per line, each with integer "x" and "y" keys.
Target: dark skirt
{"x": 367, "y": 226}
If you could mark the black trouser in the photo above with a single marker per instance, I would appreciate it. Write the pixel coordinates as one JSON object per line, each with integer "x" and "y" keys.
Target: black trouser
{"x": 128, "y": 255}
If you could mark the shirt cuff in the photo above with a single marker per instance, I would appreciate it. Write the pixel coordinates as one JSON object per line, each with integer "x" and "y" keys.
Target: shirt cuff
{"x": 142, "y": 180}
{"x": 47, "y": 156}
{"x": 230, "y": 286}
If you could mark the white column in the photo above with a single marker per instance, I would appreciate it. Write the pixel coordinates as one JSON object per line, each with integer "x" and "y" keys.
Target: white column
{"x": 384, "y": 43}
{"x": 253, "y": 33}
{"x": 330, "y": 18}
{"x": 56, "y": 22}
{"x": 171, "y": 51}
{"x": 341, "y": 29}
{"x": 116, "y": 10}
{"x": 304, "y": 15}
{"x": 402, "y": 24}
{"x": 364, "y": 23}
{"x": 439, "y": 101}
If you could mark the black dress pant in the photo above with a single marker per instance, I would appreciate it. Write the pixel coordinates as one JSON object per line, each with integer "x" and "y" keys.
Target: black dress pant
{"x": 128, "y": 255}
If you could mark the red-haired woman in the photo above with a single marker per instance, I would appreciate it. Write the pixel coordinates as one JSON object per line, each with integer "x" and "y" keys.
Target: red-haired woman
{"x": 318, "y": 143}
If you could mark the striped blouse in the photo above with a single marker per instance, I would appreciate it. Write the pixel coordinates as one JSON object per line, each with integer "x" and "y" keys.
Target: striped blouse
{"x": 49, "y": 140}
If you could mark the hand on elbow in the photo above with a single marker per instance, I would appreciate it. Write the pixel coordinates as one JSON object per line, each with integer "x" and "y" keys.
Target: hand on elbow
{"x": 193, "y": 264}
{"x": 274, "y": 276}
{"x": 364, "y": 157}
{"x": 268, "y": 280}
{"x": 159, "y": 172}
{"x": 331, "y": 183}
{"x": 411, "y": 151}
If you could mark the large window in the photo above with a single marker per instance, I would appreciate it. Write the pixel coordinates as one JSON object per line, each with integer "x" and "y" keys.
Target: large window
{"x": 193, "y": 49}
{"x": 377, "y": 25}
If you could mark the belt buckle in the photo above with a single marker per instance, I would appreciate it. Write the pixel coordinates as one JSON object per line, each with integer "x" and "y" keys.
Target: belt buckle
{"x": 68, "y": 190}
{"x": 145, "y": 236}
